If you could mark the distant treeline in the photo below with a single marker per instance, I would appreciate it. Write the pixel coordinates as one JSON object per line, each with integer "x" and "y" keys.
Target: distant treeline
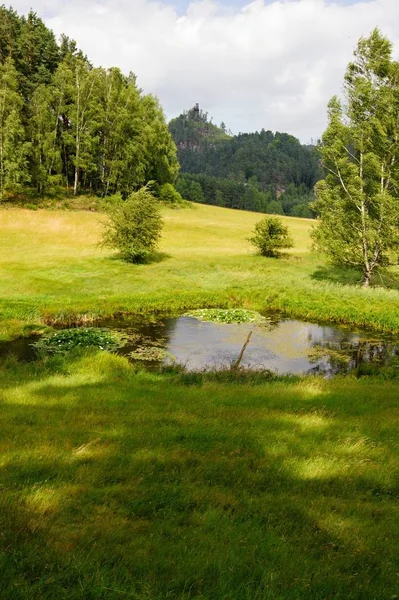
{"x": 67, "y": 125}
{"x": 245, "y": 196}
{"x": 261, "y": 171}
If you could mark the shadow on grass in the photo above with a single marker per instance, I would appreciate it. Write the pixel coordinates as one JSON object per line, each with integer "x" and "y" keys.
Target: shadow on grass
{"x": 154, "y": 257}
{"x": 118, "y": 483}
{"x": 337, "y": 275}
{"x": 386, "y": 278}
{"x": 383, "y": 277}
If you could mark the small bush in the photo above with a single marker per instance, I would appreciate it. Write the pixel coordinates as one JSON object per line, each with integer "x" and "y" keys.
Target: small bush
{"x": 270, "y": 236}
{"x": 168, "y": 193}
{"x": 134, "y": 226}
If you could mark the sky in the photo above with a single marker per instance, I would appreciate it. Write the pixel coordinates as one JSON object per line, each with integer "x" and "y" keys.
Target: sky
{"x": 271, "y": 64}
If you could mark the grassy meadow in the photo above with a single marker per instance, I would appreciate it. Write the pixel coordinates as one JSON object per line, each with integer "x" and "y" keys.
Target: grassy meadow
{"x": 53, "y": 271}
{"x": 121, "y": 483}
{"x": 124, "y": 484}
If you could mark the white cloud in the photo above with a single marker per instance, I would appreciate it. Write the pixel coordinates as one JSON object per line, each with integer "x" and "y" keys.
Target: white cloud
{"x": 273, "y": 65}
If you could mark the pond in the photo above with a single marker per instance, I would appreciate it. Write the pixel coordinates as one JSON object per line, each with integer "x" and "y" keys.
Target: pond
{"x": 284, "y": 346}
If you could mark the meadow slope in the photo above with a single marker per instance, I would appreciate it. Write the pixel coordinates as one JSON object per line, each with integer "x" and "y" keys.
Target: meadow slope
{"x": 53, "y": 271}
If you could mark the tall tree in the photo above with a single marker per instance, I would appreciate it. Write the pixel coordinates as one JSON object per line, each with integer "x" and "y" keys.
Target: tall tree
{"x": 10, "y": 27}
{"x": 37, "y": 54}
{"x": 13, "y": 148}
{"x": 358, "y": 199}
{"x": 44, "y": 134}
{"x": 122, "y": 144}
{"x": 83, "y": 118}
{"x": 162, "y": 164}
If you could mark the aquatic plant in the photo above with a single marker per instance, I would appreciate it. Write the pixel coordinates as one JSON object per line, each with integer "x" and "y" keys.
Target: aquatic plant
{"x": 63, "y": 341}
{"x": 226, "y": 315}
{"x": 149, "y": 353}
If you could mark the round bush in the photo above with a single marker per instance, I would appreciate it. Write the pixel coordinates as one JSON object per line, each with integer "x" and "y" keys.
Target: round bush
{"x": 270, "y": 236}
{"x": 134, "y": 227}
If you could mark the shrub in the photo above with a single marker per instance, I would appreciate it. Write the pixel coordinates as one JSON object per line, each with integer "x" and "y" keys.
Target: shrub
{"x": 168, "y": 193}
{"x": 270, "y": 236}
{"x": 134, "y": 226}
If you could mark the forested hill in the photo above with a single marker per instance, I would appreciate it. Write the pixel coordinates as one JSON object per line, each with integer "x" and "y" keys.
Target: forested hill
{"x": 264, "y": 171}
{"x": 65, "y": 125}
{"x": 192, "y": 130}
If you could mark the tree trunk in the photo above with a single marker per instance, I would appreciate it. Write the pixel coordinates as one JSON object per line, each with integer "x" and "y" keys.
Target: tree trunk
{"x": 76, "y": 180}
{"x": 366, "y": 278}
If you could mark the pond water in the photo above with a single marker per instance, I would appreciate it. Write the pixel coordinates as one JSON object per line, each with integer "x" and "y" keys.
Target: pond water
{"x": 280, "y": 345}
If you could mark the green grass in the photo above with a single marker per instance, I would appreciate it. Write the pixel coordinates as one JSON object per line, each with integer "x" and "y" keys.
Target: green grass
{"x": 124, "y": 484}
{"x": 119, "y": 483}
{"x": 53, "y": 271}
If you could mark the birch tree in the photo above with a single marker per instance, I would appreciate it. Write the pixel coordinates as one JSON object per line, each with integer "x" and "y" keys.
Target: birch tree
{"x": 121, "y": 145}
{"x": 358, "y": 200}
{"x": 83, "y": 118}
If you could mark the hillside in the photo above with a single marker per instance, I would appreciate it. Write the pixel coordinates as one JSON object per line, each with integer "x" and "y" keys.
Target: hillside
{"x": 261, "y": 171}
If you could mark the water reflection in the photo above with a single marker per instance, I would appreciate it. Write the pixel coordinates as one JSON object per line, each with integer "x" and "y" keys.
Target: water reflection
{"x": 285, "y": 346}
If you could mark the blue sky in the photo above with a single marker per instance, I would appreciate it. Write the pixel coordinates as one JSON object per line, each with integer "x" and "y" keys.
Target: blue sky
{"x": 270, "y": 64}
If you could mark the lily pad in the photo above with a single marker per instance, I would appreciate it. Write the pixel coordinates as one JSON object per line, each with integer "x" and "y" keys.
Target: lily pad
{"x": 226, "y": 315}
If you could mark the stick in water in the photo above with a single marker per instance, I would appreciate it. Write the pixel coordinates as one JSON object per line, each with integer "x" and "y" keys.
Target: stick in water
{"x": 236, "y": 363}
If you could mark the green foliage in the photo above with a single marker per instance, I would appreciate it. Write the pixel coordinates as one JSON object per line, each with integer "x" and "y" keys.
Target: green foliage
{"x": 168, "y": 193}
{"x": 229, "y": 193}
{"x": 226, "y": 315}
{"x": 13, "y": 148}
{"x": 32, "y": 47}
{"x": 66, "y": 340}
{"x": 67, "y": 125}
{"x": 270, "y": 236}
{"x": 296, "y": 201}
{"x": 134, "y": 226}
{"x": 275, "y": 208}
{"x": 358, "y": 199}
